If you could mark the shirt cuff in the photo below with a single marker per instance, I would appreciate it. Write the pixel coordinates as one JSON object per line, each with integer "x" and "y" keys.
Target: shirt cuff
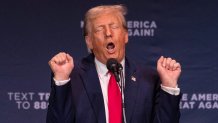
{"x": 170, "y": 90}
{"x": 62, "y": 82}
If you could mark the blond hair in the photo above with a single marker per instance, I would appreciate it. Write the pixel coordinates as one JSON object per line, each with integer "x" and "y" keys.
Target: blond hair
{"x": 92, "y": 13}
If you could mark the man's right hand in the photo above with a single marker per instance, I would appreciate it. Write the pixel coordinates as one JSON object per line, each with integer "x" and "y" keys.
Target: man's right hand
{"x": 61, "y": 65}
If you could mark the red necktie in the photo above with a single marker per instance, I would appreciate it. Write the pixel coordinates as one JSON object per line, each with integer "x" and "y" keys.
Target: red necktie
{"x": 114, "y": 101}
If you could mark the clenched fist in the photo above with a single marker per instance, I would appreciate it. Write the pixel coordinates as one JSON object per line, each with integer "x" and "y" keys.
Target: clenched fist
{"x": 61, "y": 65}
{"x": 169, "y": 71}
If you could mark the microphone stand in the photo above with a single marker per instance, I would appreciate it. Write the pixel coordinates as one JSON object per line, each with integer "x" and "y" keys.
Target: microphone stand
{"x": 120, "y": 71}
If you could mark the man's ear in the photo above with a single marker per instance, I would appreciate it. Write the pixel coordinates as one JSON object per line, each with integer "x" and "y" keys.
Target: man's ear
{"x": 126, "y": 37}
{"x": 88, "y": 42}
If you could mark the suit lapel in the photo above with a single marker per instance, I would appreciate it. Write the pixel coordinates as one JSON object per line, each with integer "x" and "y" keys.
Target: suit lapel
{"x": 93, "y": 88}
{"x": 131, "y": 89}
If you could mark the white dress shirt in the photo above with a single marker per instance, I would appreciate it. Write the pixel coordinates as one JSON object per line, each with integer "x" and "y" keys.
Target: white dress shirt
{"x": 104, "y": 80}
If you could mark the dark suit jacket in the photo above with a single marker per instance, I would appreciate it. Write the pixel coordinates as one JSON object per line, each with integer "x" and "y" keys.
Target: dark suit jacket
{"x": 81, "y": 99}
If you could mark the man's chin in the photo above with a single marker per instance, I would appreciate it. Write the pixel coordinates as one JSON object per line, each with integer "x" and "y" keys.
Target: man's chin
{"x": 112, "y": 56}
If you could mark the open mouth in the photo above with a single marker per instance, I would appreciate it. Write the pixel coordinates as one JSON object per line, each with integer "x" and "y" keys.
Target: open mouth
{"x": 111, "y": 47}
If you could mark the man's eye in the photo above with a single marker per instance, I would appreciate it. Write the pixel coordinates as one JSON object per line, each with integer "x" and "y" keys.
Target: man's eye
{"x": 99, "y": 29}
{"x": 114, "y": 26}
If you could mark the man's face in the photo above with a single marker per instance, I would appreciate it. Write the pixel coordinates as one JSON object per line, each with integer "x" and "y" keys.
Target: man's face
{"x": 107, "y": 37}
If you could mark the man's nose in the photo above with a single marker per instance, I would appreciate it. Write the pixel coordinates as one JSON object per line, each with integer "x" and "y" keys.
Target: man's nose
{"x": 108, "y": 32}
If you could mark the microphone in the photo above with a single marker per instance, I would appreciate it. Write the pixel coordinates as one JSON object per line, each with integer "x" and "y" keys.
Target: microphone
{"x": 114, "y": 67}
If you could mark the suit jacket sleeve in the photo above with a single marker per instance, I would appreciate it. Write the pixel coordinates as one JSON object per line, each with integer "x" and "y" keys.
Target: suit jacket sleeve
{"x": 166, "y": 109}
{"x": 60, "y": 109}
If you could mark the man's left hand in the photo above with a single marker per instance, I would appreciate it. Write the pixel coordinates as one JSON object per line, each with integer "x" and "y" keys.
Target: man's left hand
{"x": 169, "y": 71}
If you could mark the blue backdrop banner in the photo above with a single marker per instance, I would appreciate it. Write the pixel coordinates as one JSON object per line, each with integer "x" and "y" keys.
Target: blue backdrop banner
{"x": 32, "y": 31}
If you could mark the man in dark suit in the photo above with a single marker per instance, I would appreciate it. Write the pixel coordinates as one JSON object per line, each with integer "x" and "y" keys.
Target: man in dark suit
{"x": 80, "y": 92}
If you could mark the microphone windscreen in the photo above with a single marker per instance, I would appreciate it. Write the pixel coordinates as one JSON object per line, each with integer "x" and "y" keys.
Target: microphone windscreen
{"x": 111, "y": 64}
